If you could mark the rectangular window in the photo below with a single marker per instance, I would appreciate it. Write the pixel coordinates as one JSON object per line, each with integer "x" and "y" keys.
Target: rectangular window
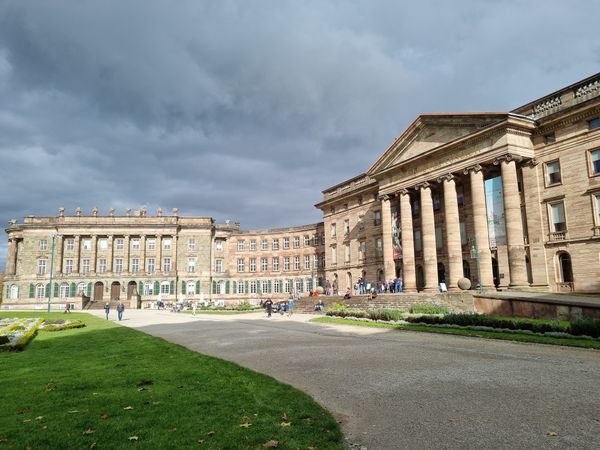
{"x": 219, "y": 265}
{"x": 135, "y": 265}
{"x": 334, "y": 255}
{"x": 68, "y": 265}
{"x": 120, "y": 243}
{"x": 346, "y": 227}
{"x": 166, "y": 244}
{"x": 41, "y": 267}
{"x": 102, "y": 265}
{"x": 306, "y": 241}
{"x": 287, "y": 286}
{"x": 597, "y": 205}
{"x": 191, "y": 266}
{"x": 315, "y": 262}
{"x": 70, "y": 244}
{"x": 306, "y": 262}
{"x": 118, "y": 265}
{"x": 240, "y": 287}
{"x": 253, "y": 244}
{"x": 296, "y": 263}
{"x": 191, "y": 244}
{"x": 150, "y": 266}
{"x": 253, "y": 287}
{"x": 361, "y": 221}
{"x": 87, "y": 244}
{"x": 264, "y": 287}
{"x": 240, "y": 265}
{"x": 85, "y": 265}
{"x": 553, "y": 173}
{"x": 148, "y": 288}
{"x": 219, "y": 245}
{"x": 252, "y": 264}
{"x": 286, "y": 243}
{"x": 275, "y": 244}
{"x": 296, "y": 241}
{"x": 557, "y": 212}
{"x": 460, "y": 195}
{"x": 240, "y": 246}
{"x": 277, "y": 286}
{"x": 437, "y": 204}
{"x": 347, "y": 253}
{"x": 165, "y": 288}
{"x": 166, "y": 264}
{"x": 595, "y": 160}
{"x": 43, "y": 244}
{"x": 362, "y": 250}
{"x": 378, "y": 247}
{"x": 264, "y": 264}
{"x": 103, "y": 244}
{"x": 418, "y": 247}
{"x": 275, "y": 263}
{"x": 594, "y": 123}
{"x": 332, "y": 210}
{"x": 333, "y": 230}
{"x": 151, "y": 243}
{"x": 264, "y": 244}
{"x": 439, "y": 240}
{"x": 377, "y": 220}
{"x": 286, "y": 263}
{"x": 416, "y": 208}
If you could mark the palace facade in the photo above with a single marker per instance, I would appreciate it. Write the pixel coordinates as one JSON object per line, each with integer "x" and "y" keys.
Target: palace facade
{"x": 509, "y": 200}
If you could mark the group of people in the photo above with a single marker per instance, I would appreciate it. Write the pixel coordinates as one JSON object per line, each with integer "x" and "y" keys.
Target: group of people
{"x": 120, "y": 309}
{"x": 279, "y": 307}
{"x": 394, "y": 286}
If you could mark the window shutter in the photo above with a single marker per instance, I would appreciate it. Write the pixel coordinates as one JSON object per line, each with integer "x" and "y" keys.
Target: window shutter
{"x": 31, "y": 290}
{"x": 183, "y": 287}
{"x": 270, "y": 286}
{"x": 156, "y": 288}
{"x": 73, "y": 289}
{"x": 227, "y": 287}
{"x": 197, "y": 287}
{"x": 214, "y": 287}
{"x": 301, "y": 285}
{"x": 89, "y": 290}
{"x": 234, "y": 291}
{"x": 56, "y": 289}
{"x": 140, "y": 288}
{"x": 258, "y": 291}
{"x": 246, "y": 287}
{"x": 172, "y": 288}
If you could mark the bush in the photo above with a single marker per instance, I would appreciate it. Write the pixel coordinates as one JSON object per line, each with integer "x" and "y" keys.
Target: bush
{"x": 49, "y": 326}
{"x": 23, "y": 340}
{"x": 244, "y": 306}
{"x": 586, "y": 327}
{"x": 386, "y": 314}
{"x": 429, "y": 310}
{"x": 4, "y": 339}
{"x": 348, "y": 312}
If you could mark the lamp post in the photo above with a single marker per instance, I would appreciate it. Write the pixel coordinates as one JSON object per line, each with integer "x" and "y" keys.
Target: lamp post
{"x": 475, "y": 255}
{"x": 53, "y": 237}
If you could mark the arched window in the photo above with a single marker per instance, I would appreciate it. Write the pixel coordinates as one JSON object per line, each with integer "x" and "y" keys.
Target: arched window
{"x": 14, "y": 292}
{"x": 148, "y": 288}
{"x": 81, "y": 289}
{"x": 565, "y": 267}
{"x": 64, "y": 290}
{"x": 40, "y": 291}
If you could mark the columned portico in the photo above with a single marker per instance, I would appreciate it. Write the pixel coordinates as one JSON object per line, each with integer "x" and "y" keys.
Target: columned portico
{"x": 11, "y": 263}
{"x": 453, "y": 243}
{"x": 388, "y": 253}
{"x": 428, "y": 237}
{"x": 514, "y": 222}
{"x": 480, "y": 224}
{"x": 408, "y": 246}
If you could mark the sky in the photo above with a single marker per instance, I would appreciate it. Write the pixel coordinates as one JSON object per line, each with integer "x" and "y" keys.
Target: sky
{"x": 245, "y": 109}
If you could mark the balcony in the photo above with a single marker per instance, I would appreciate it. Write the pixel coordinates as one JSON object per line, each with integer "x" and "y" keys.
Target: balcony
{"x": 558, "y": 236}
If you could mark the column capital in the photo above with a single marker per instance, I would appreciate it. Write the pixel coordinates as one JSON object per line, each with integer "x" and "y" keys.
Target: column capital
{"x": 385, "y": 197}
{"x": 507, "y": 158}
{"x": 474, "y": 168}
{"x": 446, "y": 177}
{"x": 532, "y": 162}
{"x": 424, "y": 185}
{"x": 403, "y": 191}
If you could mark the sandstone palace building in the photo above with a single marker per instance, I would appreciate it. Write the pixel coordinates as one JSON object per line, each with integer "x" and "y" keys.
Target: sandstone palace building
{"x": 509, "y": 200}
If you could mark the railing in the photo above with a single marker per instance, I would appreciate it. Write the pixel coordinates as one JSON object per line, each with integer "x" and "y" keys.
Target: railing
{"x": 558, "y": 235}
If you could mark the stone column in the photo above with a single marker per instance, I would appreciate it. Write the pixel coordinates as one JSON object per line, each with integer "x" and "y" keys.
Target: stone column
{"x": 93, "y": 261}
{"x": 77, "y": 252}
{"x": 59, "y": 243}
{"x": 480, "y": 223}
{"x": 453, "y": 244}
{"x": 11, "y": 263}
{"x": 111, "y": 254}
{"x": 408, "y": 245}
{"x": 514, "y": 222}
{"x": 158, "y": 265}
{"x": 142, "y": 253}
{"x": 174, "y": 254}
{"x": 428, "y": 238}
{"x": 126, "y": 262}
{"x": 389, "y": 269}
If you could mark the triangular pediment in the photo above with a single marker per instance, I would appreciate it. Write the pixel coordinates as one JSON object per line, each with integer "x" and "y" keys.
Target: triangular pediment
{"x": 429, "y": 131}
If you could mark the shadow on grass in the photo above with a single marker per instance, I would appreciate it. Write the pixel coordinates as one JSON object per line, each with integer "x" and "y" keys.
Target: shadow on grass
{"x": 105, "y": 384}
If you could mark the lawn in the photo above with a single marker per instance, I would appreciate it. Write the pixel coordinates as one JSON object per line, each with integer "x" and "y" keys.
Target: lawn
{"x": 108, "y": 386}
{"x": 502, "y": 335}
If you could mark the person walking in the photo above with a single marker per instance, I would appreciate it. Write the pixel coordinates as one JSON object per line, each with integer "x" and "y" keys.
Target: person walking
{"x": 107, "y": 309}
{"x": 290, "y": 306}
{"x": 269, "y": 307}
{"x": 194, "y": 306}
{"x": 120, "y": 309}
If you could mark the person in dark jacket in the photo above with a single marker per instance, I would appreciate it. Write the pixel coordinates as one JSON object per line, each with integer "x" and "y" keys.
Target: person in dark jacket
{"x": 120, "y": 309}
{"x": 107, "y": 310}
{"x": 269, "y": 307}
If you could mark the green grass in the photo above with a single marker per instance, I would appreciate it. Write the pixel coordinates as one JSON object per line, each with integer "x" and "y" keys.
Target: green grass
{"x": 502, "y": 335}
{"x": 102, "y": 384}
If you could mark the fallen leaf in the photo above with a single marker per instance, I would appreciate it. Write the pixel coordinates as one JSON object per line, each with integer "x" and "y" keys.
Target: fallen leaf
{"x": 142, "y": 389}
{"x": 174, "y": 429}
{"x": 245, "y": 425}
{"x": 285, "y": 424}
{"x": 552, "y": 433}
{"x": 27, "y": 420}
{"x": 50, "y": 386}
{"x": 284, "y": 417}
{"x": 133, "y": 438}
{"x": 128, "y": 407}
{"x": 104, "y": 416}
{"x": 89, "y": 431}
{"x": 200, "y": 441}
{"x": 210, "y": 433}
{"x": 73, "y": 411}
{"x": 93, "y": 445}
{"x": 39, "y": 417}
{"x": 95, "y": 393}
{"x": 272, "y": 443}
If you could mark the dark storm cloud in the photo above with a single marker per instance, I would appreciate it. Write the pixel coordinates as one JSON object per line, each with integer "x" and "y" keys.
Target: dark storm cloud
{"x": 247, "y": 109}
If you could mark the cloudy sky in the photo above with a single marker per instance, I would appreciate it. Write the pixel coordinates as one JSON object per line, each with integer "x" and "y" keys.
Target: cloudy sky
{"x": 246, "y": 110}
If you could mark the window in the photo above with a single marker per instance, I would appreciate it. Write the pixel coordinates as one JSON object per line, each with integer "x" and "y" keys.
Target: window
{"x": 240, "y": 246}
{"x": 346, "y": 227}
{"x": 240, "y": 264}
{"x": 306, "y": 262}
{"x": 148, "y": 288}
{"x": 306, "y": 241}
{"x": 166, "y": 244}
{"x": 219, "y": 265}
{"x": 240, "y": 287}
{"x": 85, "y": 265}
{"x": 334, "y": 255}
{"x": 69, "y": 244}
{"x": 264, "y": 264}
{"x": 191, "y": 245}
{"x": 135, "y": 265}
{"x": 102, "y": 265}
{"x": 437, "y": 204}
{"x": 275, "y": 263}
{"x": 286, "y": 263}
{"x": 87, "y": 244}
{"x": 40, "y": 291}
{"x": 557, "y": 215}
{"x": 333, "y": 230}
{"x": 165, "y": 287}
{"x": 120, "y": 243}
{"x": 287, "y": 286}
{"x": 417, "y": 235}
{"x": 362, "y": 250}
{"x": 323, "y": 262}
{"x": 43, "y": 244}
{"x": 553, "y": 173}
{"x": 14, "y": 292}
{"x": 41, "y": 266}
{"x": 439, "y": 241}
{"x": 460, "y": 195}
{"x": 68, "y": 266}
{"x": 264, "y": 286}
{"x": 275, "y": 244}
{"x": 219, "y": 245}
{"x": 191, "y": 288}
{"x": 347, "y": 253}
{"x": 378, "y": 247}
{"x": 151, "y": 244}
{"x": 416, "y": 208}
{"x": 549, "y": 138}
{"x": 377, "y": 220}
{"x": 135, "y": 244}
{"x": 253, "y": 245}
{"x": 103, "y": 244}
{"x": 264, "y": 244}
{"x": 252, "y": 264}
{"x": 253, "y": 287}
{"x": 118, "y": 265}
{"x": 64, "y": 290}
{"x": 277, "y": 286}
{"x": 361, "y": 221}
{"x": 166, "y": 264}
{"x": 594, "y": 123}
{"x": 191, "y": 266}
{"x": 150, "y": 265}
{"x": 315, "y": 262}
{"x": 286, "y": 242}
{"x": 595, "y": 159}
{"x": 296, "y": 263}
{"x": 296, "y": 241}
{"x": 81, "y": 289}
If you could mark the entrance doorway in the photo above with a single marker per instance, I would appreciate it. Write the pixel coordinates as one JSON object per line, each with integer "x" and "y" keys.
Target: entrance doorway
{"x": 565, "y": 267}
{"x": 131, "y": 289}
{"x": 115, "y": 291}
{"x": 98, "y": 291}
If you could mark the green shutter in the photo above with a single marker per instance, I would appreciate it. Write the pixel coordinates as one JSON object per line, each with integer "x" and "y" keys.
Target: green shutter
{"x": 183, "y": 287}
{"x": 89, "y": 289}
{"x": 270, "y": 283}
{"x": 140, "y": 288}
{"x": 73, "y": 289}
{"x": 56, "y": 289}
{"x": 172, "y": 288}
{"x": 197, "y": 287}
{"x": 246, "y": 287}
{"x": 156, "y": 288}
{"x": 234, "y": 290}
{"x": 227, "y": 287}
{"x": 214, "y": 287}
{"x": 31, "y": 290}
{"x": 47, "y": 290}
{"x": 258, "y": 291}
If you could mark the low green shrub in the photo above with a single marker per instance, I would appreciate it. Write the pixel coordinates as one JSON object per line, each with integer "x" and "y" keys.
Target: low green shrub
{"x": 386, "y": 314}
{"x": 348, "y": 312}
{"x": 4, "y": 339}
{"x": 244, "y": 306}
{"x": 62, "y": 326}
{"x": 423, "y": 309}
{"x": 586, "y": 327}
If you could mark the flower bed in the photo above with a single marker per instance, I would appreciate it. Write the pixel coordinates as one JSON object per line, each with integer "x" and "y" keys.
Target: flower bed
{"x": 59, "y": 325}
{"x": 15, "y": 334}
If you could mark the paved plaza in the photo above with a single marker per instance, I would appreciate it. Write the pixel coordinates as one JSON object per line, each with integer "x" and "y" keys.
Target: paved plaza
{"x": 393, "y": 389}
